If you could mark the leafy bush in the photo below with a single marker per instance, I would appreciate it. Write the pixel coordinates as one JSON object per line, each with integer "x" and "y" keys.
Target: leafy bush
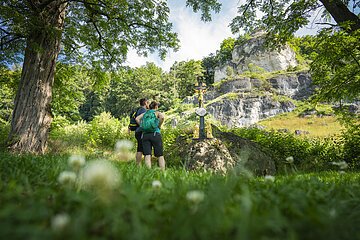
{"x": 4, "y": 132}
{"x": 172, "y": 150}
{"x": 351, "y": 141}
{"x": 308, "y": 154}
{"x": 105, "y": 130}
{"x": 68, "y": 136}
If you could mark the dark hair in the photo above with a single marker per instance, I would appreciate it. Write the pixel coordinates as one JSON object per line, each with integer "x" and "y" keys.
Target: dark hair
{"x": 153, "y": 105}
{"x": 143, "y": 101}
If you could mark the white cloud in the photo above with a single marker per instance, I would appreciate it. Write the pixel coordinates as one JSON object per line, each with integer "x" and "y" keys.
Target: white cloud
{"x": 197, "y": 39}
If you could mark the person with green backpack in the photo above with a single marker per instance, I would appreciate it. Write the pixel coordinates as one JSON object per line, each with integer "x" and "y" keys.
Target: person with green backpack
{"x": 150, "y": 123}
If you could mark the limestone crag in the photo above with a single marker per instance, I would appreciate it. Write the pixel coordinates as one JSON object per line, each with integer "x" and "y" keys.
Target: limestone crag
{"x": 244, "y": 101}
{"x": 253, "y": 56}
{"x": 245, "y": 111}
{"x": 297, "y": 86}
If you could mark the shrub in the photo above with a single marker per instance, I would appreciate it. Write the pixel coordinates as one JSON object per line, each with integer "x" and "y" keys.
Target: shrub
{"x": 74, "y": 135}
{"x": 4, "y": 132}
{"x": 308, "y": 154}
{"x": 351, "y": 141}
{"x": 105, "y": 130}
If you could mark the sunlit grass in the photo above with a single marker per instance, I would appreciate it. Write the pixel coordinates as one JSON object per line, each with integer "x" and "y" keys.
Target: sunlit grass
{"x": 316, "y": 126}
{"x": 187, "y": 205}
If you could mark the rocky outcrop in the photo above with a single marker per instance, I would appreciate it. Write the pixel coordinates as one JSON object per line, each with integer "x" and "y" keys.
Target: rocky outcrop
{"x": 209, "y": 155}
{"x": 296, "y": 86}
{"x": 247, "y": 110}
{"x": 253, "y": 56}
{"x": 241, "y": 101}
{"x": 244, "y": 101}
{"x": 247, "y": 154}
{"x": 227, "y": 152}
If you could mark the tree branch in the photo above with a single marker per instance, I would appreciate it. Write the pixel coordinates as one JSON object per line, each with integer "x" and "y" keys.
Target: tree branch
{"x": 330, "y": 24}
{"x": 2, "y": 43}
{"x": 342, "y": 14}
{"x": 247, "y": 7}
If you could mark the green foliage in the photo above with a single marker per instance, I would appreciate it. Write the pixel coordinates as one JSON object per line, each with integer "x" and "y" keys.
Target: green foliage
{"x": 97, "y": 32}
{"x": 70, "y": 85}
{"x": 226, "y": 48}
{"x": 105, "y": 130}
{"x": 310, "y": 206}
{"x": 99, "y": 134}
{"x": 9, "y": 80}
{"x": 128, "y": 86}
{"x": 304, "y": 47}
{"x": 4, "y": 133}
{"x": 187, "y": 73}
{"x": 308, "y": 154}
{"x": 69, "y": 136}
{"x": 209, "y": 63}
{"x": 282, "y": 19}
{"x": 205, "y": 7}
{"x": 336, "y": 67}
{"x": 172, "y": 150}
{"x": 351, "y": 141}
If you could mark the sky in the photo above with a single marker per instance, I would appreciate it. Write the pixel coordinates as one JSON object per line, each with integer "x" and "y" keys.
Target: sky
{"x": 197, "y": 39}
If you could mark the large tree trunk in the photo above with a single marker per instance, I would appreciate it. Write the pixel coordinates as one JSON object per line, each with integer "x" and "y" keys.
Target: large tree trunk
{"x": 32, "y": 116}
{"x": 341, "y": 13}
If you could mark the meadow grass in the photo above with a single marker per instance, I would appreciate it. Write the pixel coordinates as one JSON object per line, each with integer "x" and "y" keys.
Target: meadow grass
{"x": 185, "y": 205}
{"x": 325, "y": 126}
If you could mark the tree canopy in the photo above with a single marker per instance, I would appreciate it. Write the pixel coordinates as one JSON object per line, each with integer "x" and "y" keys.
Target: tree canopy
{"x": 97, "y": 32}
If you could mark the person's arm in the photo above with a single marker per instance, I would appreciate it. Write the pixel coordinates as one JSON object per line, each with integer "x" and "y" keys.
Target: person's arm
{"x": 161, "y": 118}
{"x": 138, "y": 118}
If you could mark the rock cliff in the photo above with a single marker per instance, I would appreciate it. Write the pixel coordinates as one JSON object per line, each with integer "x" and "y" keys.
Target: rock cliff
{"x": 243, "y": 101}
{"x": 252, "y": 55}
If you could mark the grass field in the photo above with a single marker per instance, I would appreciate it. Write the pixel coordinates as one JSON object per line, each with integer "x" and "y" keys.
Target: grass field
{"x": 124, "y": 201}
{"x": 316, "y": 126}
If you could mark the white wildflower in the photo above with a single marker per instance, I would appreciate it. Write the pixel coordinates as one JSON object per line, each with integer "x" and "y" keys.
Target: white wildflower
{"x": 290, "y": 160}
{"x": 76, "y": 161}
{"x": 269, "y": 178}
{"x": 332, "y": 213}
{"x": 67, "y": 177}
{"x": 101, "y": 175}
{"x": 195, "y": 196}
{"x": 156, "y": 184}
{"x": 341, "y": 165}
{"x": 342, "y": 172}
{"x": 60, "y": 222}
{"x": 123, "y": 145}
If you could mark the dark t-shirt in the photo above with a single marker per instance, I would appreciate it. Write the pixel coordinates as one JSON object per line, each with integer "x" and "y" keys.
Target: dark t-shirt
{"x": 139, "y": 112}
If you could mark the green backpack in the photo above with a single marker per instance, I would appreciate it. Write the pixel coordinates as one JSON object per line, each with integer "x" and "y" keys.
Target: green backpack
{"x": 149, "y": 122}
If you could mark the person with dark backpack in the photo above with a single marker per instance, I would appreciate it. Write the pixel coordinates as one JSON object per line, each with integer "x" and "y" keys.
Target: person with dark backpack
{"x": 134, "y": 126}
{"x": 150, "y": 123}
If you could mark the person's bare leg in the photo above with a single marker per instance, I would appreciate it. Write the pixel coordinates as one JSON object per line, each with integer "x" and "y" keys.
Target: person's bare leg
{"x": 138, "y": 157}
{"x": 148, "y": 161}
{"x": 162, "y": 162}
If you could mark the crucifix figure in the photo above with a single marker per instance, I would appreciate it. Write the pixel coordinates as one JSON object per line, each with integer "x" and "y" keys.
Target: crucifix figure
{"x": 200, "y": 89}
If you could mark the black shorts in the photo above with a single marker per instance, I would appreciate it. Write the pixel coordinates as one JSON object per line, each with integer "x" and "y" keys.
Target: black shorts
{"x": 154, "y": 140}
{"x": 139, "y": 142}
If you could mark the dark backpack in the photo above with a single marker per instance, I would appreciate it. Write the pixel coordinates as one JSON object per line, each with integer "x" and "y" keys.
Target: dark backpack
{"x": 149, "y": 122}
{"x": 133, "y": 124}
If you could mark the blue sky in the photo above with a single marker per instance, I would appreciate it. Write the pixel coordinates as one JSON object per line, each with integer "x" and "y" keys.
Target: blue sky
{"x": 197, "y": 39}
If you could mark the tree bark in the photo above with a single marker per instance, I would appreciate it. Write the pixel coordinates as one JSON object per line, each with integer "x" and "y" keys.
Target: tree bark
{"x": 341, "y": 13}
{"x": 32, "y": 115}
